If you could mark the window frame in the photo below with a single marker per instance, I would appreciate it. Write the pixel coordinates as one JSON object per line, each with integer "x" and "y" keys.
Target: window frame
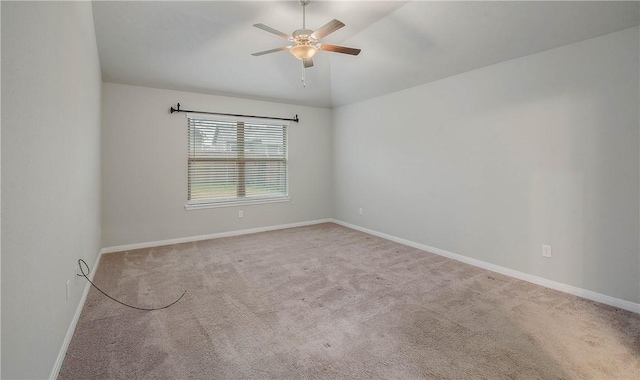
{"x": 241, "y": 160}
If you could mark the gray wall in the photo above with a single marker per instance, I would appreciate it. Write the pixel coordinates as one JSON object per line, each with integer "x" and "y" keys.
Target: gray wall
{"x": 50, "y": 176}
{"x": 493, "y": 163}
{"x": 144, "y": 166}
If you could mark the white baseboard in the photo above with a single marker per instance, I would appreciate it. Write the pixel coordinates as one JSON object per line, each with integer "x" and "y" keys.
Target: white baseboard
{"x": 72, "y": 327}
{"x": 158, "y": 243}
{"x": 597, "y": 297}
{"x": 588, "y": 294}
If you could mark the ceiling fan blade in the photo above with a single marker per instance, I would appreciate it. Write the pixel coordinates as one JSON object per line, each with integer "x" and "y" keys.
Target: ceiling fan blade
{"x": 327, "y": 29}
{"x": 271, "y": 30}
{"x": 271, "y": 51}
{"x": 339, "y": 49}
{"x": 307, "y": 63}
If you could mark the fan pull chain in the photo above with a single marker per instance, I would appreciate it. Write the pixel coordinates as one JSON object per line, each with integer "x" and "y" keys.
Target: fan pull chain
{"x": 304, "y": 84}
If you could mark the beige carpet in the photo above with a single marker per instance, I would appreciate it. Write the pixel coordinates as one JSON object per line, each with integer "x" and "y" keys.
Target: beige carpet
{"x": 328, "y": 302}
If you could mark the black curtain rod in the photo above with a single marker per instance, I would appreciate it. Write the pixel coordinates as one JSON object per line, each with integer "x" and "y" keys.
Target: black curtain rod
{"x": 231, "y": 114}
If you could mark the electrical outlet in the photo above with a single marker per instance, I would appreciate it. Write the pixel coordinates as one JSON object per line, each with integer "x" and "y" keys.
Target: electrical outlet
{"x": 240, "y": 214}
{"x": 78, "y": 273}
{"x": 546, "y": 251}
{"x": 67, "y": 291}
{"x": 360, "y": 211}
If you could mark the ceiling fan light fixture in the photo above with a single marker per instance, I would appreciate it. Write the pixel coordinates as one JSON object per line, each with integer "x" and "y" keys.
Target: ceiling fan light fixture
{"x": 303, "y": 52}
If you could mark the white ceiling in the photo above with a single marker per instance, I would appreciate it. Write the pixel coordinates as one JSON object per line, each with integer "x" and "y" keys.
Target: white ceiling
{"x": 206, "y": 46}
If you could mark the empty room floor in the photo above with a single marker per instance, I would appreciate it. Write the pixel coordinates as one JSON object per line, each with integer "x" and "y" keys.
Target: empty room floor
{"x": 329, "y": 302}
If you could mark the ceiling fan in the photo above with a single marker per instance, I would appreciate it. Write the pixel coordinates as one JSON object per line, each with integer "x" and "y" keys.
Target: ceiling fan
{"x": 307, "y": 42}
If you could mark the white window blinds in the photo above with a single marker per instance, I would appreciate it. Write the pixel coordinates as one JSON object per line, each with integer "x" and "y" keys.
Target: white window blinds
{"x": 236, "y": 161}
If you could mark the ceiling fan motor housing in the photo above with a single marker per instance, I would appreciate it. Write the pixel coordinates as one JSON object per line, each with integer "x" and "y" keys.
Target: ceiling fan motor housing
{"x": 303, "y": 36}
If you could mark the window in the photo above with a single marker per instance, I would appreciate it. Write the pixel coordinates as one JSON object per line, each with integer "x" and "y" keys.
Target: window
{"x": 236, "y": 161}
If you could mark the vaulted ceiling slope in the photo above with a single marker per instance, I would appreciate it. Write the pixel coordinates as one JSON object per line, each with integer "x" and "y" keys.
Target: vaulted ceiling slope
{"x": 206, "y": 46}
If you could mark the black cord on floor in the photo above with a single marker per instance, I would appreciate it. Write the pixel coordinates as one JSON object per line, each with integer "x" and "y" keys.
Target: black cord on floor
{"x": 85, "y": 275}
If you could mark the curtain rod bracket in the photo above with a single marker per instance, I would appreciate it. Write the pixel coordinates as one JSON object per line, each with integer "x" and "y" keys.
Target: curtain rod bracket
{"x": 177, "y": 109}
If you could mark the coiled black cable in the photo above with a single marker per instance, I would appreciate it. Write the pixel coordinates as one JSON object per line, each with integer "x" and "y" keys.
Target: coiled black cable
{"x": 85, "y": 275}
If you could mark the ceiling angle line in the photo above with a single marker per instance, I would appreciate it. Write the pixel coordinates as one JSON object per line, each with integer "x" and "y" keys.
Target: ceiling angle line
{"x": 177, "y": 109}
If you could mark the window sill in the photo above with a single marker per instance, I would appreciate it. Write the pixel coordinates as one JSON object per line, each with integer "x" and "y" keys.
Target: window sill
{"x": 199, "y": 206}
